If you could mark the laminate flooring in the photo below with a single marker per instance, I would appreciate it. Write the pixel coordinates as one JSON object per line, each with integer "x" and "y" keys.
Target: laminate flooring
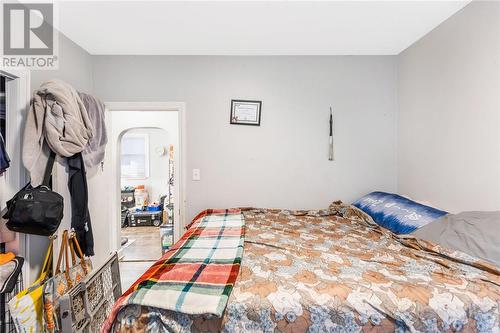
{"x": 139, "y": 253}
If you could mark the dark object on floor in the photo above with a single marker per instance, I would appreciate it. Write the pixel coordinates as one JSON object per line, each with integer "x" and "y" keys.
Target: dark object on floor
{"x": 124, "y": 241}
{"x": 80, "y": 216}
{"x": 145, "y": 218}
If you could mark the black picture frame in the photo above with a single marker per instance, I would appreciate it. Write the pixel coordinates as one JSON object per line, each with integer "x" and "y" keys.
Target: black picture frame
{"x": 233, "y": 119}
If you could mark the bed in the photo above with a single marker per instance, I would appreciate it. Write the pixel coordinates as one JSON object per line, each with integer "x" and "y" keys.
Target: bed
{"x": 334, "y": 270}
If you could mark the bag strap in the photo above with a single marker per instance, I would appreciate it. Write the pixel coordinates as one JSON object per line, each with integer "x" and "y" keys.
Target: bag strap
{"x": 48, "y": 258}
{"x": 79, "y": 250}
{"x": 64, "y": 251}
{"x": 61, "y": 250}
{"x": 72, "y": 249}
{"x": 66, "y": 262}
{"x": 10, "y": 204}
{"x": 48, "y": 168}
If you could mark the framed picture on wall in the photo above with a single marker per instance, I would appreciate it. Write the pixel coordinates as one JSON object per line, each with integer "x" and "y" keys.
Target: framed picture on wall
{"x": 245, "y": 112}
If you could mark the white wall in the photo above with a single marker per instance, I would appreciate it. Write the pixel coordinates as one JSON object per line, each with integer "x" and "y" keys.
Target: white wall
{"x": 157, "y": 182}
{"x": 75, "y": 67}
{"x": 282, "y": 163}
{"x": 449, "y": 112}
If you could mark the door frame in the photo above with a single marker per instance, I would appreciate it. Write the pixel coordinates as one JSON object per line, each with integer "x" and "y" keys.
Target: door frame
{"x": 18, "y": 95}
{"x": 180, "y": 163}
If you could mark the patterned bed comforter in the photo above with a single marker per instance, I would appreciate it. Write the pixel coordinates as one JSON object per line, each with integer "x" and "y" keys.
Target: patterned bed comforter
{"x": 316, "y": 271}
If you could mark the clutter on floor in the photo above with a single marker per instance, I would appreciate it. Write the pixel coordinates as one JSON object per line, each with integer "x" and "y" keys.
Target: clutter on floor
{"x": 74, "y": 299}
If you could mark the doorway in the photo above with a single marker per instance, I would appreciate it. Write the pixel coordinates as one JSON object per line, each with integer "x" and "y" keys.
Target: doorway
{"x": 148, "y": 203}
{"x": 147, "y": 199}
{"x": 14, "y": 100}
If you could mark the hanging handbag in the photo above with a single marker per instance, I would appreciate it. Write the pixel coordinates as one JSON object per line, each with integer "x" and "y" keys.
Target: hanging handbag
{"x": 62, "y": 281}
{"x": 26, "y": 308}
{"x": 38, "y": 210}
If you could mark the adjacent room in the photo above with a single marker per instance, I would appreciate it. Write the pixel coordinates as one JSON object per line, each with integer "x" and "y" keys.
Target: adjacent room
{"x": 250, "y": 166}
{"x": 146, "y": 163}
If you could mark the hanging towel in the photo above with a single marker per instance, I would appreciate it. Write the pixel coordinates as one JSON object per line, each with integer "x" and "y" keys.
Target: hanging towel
{"x": 57, "y": 118}
{"x": 93, "y": 154}
{"x": 80, "y": 216}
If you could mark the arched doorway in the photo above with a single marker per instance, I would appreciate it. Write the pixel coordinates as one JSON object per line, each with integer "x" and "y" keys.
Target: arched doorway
{"x": 149, "y": 165}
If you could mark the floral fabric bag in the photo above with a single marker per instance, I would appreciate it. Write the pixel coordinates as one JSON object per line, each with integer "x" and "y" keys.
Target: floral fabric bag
{"x": 62, "y": 281}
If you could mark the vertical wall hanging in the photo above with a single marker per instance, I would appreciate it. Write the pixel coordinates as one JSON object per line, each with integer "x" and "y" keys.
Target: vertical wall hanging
{"x": 331, "y": 156}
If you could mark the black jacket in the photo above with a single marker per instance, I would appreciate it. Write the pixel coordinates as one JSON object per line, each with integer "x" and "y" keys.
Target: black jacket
{"x": 80, "y": 216}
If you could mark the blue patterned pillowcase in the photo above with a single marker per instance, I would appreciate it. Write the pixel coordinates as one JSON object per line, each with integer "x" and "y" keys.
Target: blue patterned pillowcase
{"x": 398, "y": 214}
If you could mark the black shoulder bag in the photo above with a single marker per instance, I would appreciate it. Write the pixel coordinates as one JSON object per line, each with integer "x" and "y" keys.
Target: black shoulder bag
{"x": 36, "y": 211}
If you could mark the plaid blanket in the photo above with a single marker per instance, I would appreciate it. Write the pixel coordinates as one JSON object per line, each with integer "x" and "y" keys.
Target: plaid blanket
{"x": 197, "y": 274}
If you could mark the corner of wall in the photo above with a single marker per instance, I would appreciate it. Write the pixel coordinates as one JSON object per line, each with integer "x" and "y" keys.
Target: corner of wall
{"x": 396, "y": 127}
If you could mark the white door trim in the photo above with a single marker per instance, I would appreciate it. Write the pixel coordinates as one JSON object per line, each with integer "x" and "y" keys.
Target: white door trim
{"x": 18, "y": 101}
{"x": 180, "y": 163}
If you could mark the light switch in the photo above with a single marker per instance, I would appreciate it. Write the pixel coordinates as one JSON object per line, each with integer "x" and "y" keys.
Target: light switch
{"x": 196, "y": 174}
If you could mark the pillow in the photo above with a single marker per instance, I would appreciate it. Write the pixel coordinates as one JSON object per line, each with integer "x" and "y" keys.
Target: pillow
{"x": 398, "y": 214}
{"x": 474, "y": 233}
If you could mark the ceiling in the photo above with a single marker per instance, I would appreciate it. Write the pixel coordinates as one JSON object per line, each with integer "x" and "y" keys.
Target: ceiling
{"x": 251, "y": 27}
